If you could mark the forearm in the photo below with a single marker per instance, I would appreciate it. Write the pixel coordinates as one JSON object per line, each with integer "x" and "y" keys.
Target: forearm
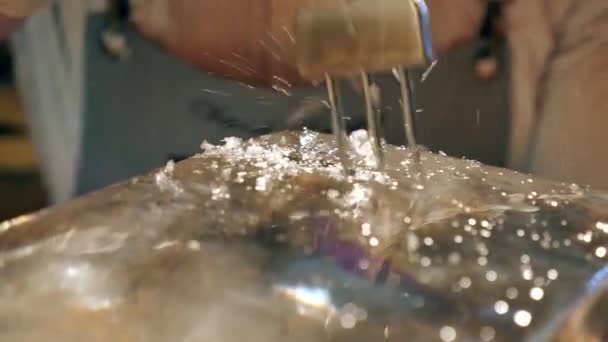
{"x": 252, "y": 40}
{"x": 12, "y": 13}
{"x": 20, "y": 8}
{"x": 7, "y": 25}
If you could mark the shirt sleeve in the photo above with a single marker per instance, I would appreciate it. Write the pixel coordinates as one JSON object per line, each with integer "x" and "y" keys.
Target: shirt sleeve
{"x": 20, "y": 8}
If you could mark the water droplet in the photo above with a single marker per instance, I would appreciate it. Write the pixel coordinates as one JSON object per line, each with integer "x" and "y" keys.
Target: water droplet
{"x": 366, "y": 229}
{"x": 539, "y": 281}
{"x": 364, "y": 264}
{"x": 491, "y": 276}
{"x": 482, "y": 261}
{"x": 348, "y": 321}
{"x": 428, "y": 241}
{"x": 525, "y": 259}
{"x": 512, "y": 293}
{"x": 552, "y": 274}
{"x": 447, "y": 334}
{"x": 194, "y": 245}
{"x": 600, "y": 252}
{"x": 501, "y": 307}
{"x": 522, "y": 318}
{"x": 482, "y": 249}
{"x": 536, "y": 293}
{"x": 458, "y": 238}
{"x": 603, "y": 226}
{"x": 487, "y": 334}
{"x": 425, "y": 262}
{"x": 454, "y": 258}
{"x": 585, "y": 237}
{"x": 261, "y": 183}
{"x": 465, "y": 282}
{"x": 374, "y": 242}
{"x": 521, "y": 233}
{"x": 472, "y": 221}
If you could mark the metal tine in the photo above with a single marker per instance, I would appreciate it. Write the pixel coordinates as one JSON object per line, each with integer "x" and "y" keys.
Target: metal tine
{"x": 406, "y": 104}
{"x": 408, "y": 110}
{"x": 338, "y": 124}
{"x": 372, "y": 122}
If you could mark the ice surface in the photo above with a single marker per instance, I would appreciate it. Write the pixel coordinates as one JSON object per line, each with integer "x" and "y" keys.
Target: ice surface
{"x": 267, "y": 240}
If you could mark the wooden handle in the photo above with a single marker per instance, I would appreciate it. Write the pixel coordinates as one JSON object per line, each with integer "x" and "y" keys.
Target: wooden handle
{"x": 374, "y": 35}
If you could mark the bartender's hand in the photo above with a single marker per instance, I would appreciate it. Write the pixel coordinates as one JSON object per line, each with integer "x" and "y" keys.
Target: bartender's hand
{"x": 250, "y": 40}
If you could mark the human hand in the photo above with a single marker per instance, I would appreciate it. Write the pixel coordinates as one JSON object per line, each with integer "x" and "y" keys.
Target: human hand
{"x": 251, "y": 40}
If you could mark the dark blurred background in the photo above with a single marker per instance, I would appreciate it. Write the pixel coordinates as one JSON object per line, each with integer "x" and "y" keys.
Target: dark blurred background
{"x": 21, "y": 187}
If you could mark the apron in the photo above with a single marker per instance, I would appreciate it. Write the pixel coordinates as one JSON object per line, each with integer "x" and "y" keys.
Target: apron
{"x": 49, "y": 66}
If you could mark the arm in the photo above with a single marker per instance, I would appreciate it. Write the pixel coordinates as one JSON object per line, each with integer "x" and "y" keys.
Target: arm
{"x": 12, "y": 13}
{"x": 8, "y": 25}
{"x": 250, "y": 40}
{"x": 247, "y": 40}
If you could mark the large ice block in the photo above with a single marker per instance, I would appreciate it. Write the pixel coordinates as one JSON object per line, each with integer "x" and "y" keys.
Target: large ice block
{"x": 265, "y": 240}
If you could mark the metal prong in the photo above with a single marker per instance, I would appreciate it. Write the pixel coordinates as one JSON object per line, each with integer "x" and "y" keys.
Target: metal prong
{"x": 406, "y": 104}
{"x": 338, "y": 125}
{"x": 372, "y": 122}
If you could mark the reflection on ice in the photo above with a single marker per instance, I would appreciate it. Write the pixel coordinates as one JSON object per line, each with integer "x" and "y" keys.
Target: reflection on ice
{"x": 309, "y": 301}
